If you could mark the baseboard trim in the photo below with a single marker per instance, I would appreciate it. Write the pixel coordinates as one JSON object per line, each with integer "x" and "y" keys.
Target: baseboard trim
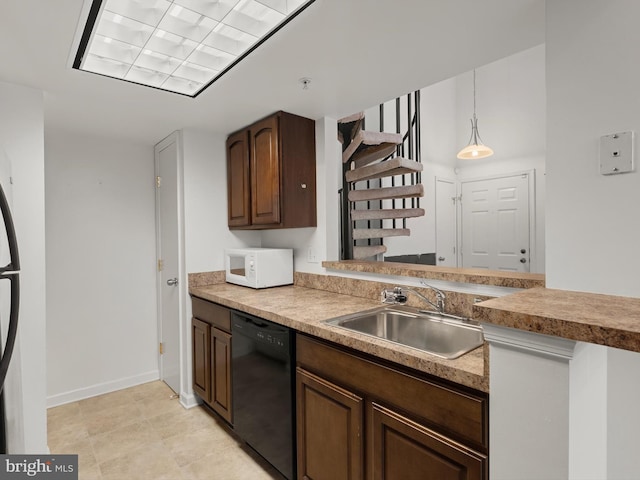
{"x": 101, "y": 388}
{"x": 189, "y": 400}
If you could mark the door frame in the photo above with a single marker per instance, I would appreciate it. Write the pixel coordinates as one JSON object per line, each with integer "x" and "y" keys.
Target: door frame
{"x": 456, "y": 219}
{"x": 531, "y": 176}
{"x": 185, "y": 377}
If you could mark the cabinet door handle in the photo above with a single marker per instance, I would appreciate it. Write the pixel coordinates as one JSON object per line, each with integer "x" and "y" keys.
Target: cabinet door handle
{"x": 172, "y": 282}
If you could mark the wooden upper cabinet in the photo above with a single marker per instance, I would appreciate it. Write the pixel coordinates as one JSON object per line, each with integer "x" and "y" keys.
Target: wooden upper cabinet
{"x": 238, "y": 187}
{"x": 271, "y": 167}
{"x": 265, "y": 172}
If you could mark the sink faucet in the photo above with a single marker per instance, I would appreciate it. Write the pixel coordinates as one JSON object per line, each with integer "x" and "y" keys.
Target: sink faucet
{"x": 397, "y": 295}
{"x": 440, "y": 296}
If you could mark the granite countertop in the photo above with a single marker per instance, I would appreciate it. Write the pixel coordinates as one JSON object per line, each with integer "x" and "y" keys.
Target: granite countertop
{"x": 304, "y": 309}
{"x": 478, "y": 276}
{"x": 587, "y": 317}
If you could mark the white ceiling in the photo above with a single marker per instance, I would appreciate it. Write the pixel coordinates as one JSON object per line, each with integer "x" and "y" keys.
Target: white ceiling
{"x": 357, "y": 53}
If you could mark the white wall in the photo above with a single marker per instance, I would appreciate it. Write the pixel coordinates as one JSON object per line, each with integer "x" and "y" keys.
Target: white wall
{"x": 22, "y": 138}
{"x": 587, "y": 99}
{"x": 100, "y": 224}
{"x": 510, "y": 105}
{"x": 592, "y": 229}
{"x": 205, "y": 203}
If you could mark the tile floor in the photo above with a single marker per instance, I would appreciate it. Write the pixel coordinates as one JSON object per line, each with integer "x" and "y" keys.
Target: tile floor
{"x": 142, "y": 433}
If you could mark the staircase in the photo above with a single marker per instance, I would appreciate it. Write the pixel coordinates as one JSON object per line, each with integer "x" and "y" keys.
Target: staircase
{"x": 380, "y": 182}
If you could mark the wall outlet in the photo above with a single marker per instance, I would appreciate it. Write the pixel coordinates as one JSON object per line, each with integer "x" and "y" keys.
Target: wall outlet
{"x": 616, "y": 153}
{"x": 312, "y": 255}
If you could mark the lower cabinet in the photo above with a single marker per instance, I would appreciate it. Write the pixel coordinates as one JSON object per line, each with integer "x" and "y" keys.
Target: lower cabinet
{"x": 360, "y": 418}
{"x": 329, "y": 420}
{"x": 404, "y": 449}
{"x": 221, "y": 373}
{"x": 211, "y": 346}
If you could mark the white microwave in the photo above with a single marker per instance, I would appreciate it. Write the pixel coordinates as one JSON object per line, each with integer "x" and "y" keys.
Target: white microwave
{"x": 259, "y": 267}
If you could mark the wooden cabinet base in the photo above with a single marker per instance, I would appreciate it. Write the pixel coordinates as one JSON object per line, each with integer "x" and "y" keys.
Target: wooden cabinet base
{"x": 417, "y": 427}
{"x": 211, "y": 344}
{"x": 403, "y": 449}
{"x": 326, "y": 411}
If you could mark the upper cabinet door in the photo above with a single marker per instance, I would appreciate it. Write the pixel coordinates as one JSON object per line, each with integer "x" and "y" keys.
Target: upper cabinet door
{"x": 272, "y": 174}
{"x": 239, "y": 198}
{"x": 265, "y": 172}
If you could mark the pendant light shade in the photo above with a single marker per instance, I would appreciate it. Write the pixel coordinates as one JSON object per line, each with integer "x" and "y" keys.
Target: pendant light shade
{"x": 475, "y": 149}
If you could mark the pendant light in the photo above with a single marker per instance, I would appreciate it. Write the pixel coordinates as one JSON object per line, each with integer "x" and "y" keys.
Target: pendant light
{"x": 475, "y": 148}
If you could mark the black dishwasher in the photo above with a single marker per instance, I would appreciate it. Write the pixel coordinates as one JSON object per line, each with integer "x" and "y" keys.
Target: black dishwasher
{"x": 263, "y": 389}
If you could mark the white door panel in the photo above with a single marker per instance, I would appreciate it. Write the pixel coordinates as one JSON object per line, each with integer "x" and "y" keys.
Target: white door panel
{"x": 168, "y": 252}
{"x": 495, "y": 223}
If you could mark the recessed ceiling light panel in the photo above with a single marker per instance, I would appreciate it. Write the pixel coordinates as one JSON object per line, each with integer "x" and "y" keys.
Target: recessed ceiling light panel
{"x": 181, "y": 46}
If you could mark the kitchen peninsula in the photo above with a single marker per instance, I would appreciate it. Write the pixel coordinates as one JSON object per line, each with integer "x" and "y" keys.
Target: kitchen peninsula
{"x": 531, "y": 336}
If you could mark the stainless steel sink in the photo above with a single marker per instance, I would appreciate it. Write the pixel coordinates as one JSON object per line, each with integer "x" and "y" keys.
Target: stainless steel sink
{"x": 439, "y": 334}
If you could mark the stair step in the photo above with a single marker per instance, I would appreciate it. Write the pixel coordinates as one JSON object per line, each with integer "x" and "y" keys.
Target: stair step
{"x": 364, "y": 252}
{"x": 386, "y": 213}
{"x": 386, "y": 193}
{"x": 365, "y": 233}
{"x": 388, "y": 168}
{"x": 367, "y": 154}
{"x": 351, "y": 118}
{"x": 349, "y": 126}
{"x": 365, "y": 139}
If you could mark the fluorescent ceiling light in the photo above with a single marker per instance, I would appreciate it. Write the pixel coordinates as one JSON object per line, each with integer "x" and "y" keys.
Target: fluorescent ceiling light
{"x": 181, "y": 46}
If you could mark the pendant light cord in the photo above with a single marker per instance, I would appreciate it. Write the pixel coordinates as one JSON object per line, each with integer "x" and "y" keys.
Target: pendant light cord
{"x": 474, "y": 92}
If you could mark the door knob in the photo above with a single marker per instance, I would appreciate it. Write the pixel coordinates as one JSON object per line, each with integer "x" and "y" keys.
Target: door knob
{"x": 172, "y": 282}
{"x": 523, "y": 251}
{"x": 441, "y": 259}
{"x": 523, "y": 260}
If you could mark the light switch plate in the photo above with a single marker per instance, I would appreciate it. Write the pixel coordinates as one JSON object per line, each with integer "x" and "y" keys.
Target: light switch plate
{"x": 616, "y": 153}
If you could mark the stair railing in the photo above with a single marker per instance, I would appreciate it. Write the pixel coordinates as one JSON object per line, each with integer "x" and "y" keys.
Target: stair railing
{"x": 410, "y": 148}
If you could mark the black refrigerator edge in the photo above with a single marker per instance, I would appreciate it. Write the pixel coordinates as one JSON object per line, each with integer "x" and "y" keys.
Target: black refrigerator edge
{"x": 10, "y": 272}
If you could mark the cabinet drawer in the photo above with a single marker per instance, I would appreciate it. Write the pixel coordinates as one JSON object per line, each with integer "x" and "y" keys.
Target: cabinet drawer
{"x": 216, "y": 315}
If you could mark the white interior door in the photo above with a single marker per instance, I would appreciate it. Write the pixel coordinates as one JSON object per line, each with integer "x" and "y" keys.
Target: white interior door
{"x": 168, "y": 239}
{"x": 495, "y": 223}
{"x": 446, "y": 223}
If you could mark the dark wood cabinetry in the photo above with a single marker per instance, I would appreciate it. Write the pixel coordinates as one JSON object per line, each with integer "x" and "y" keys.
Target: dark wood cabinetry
{"x": 271, "y": 171}
{"x": 400, "y": 448}
{"x": 238, "y": 182}
{"x": 417, "y": 427}
{"x": 200, "y": 335}
{"x": 326, "y": 411}
{"x": 211, "y": 344}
